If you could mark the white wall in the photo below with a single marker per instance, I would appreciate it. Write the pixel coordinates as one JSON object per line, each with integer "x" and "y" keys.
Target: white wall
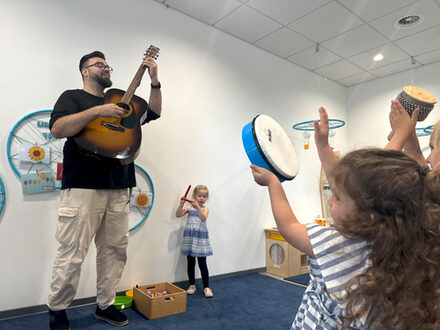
{"x": 213, "y": 84}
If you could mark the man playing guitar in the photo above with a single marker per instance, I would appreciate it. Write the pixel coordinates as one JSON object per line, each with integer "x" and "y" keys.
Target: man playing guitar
{"x": 95, "y": 192}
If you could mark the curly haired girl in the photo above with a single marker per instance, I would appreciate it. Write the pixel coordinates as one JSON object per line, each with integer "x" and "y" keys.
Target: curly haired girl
{"x": 378, "y": 266}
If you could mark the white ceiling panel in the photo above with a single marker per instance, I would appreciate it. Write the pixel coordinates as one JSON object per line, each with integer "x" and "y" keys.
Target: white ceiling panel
{"x": 284, "y": 42}
{"x": 333, "y": 19}
{"x": 428, "y": 10}
{"x": 286, "y": 11}
{"x": 349, "y": 32}
{"x": 390, "y": 54}
{"x": 357, "y": 79}
{"x": 355, "y": 41}
{"x": 208, "y": 11}
{"x": 311, "y": 59}
{"x": 247, "y": 24}
{"x": 421, "y": 42}
{"x": 339, "y": 70}
{"x": 395, "y": 67}
{"x": 371, "y": 9}
{"x": 429, "y": 58}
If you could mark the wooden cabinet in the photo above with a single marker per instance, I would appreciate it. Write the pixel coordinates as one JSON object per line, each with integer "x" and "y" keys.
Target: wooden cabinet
{"x": 283, "y": 259}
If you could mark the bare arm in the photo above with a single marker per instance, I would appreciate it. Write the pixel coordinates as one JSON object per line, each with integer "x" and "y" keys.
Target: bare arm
{"x": 292, "y": 230}
{"x": 412, "y": 148}
{"x": 202, "y": 213}
{"x": 402, "y": 126}
{"x": 181, "y": 211}
{"x": 155, "y": 101}
{"x": 325, "y": 152}
{"x": 71, "y": 125}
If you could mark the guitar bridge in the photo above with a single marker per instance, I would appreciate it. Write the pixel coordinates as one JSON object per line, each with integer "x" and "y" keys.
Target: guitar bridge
{"x": 112, "y": 126}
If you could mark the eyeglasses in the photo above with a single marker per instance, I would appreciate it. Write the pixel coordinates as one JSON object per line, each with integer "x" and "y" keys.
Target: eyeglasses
{"x": 100, "y": 66}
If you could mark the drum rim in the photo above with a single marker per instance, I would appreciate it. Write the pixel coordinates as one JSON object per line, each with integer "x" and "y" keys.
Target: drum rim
{"x": 266, "y": 160}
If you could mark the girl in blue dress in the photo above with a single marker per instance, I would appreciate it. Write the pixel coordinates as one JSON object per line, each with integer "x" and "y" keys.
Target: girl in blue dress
{"x": 378, "y": 266}
{"x": 196, "y": 242}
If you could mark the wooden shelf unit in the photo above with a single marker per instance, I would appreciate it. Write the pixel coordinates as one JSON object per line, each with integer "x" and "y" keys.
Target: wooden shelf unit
{"x": 283, "y": 259}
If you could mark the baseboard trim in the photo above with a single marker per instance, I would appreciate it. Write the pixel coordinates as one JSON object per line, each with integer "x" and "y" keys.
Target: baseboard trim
{"x": 26, "y": 311}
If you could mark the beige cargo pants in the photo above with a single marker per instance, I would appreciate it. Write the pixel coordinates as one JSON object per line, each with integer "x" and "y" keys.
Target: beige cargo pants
{"x": 82, "y": 215}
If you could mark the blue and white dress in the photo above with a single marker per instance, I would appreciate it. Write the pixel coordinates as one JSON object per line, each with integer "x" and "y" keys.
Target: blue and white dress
{"x": 337, "y": 260}
{"x": 195, "y": 237}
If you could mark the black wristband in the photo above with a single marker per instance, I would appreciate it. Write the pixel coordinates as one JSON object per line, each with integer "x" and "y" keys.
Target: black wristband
{"x": 156, "y": 86}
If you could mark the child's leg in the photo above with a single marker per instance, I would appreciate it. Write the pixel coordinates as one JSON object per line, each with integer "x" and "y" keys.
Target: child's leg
{"x": 204, "y": 271}
{"x": 191, "y": 269}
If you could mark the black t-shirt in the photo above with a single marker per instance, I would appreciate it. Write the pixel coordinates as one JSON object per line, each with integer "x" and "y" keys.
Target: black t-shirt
{"x": 82, "y": 169}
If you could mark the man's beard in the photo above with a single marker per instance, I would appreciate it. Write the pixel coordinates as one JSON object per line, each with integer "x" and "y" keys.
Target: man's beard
{"x": 104, "y": 82}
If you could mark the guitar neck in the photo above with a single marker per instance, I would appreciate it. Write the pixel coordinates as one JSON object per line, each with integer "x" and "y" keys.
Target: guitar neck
{"x": 126, "y": 99}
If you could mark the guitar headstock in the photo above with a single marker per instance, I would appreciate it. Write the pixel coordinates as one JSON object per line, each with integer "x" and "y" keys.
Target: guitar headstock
{"x": 152, "y": 51}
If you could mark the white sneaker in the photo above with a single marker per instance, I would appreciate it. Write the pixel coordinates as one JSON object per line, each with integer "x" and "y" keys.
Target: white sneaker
{"x": 191, "y": 289}
{"x": 208, "y": 293}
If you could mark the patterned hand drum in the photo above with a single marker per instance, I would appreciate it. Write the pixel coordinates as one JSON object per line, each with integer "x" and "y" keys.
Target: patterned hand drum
{"x": 412, "y": 97}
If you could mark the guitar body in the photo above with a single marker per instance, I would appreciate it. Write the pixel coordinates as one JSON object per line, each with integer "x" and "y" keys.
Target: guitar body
{"x": 116, "y": 138}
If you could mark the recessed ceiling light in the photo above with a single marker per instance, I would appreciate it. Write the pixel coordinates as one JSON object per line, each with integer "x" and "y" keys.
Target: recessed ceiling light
{"x": 378, "y": 57}
{"x": 408, "y": 21}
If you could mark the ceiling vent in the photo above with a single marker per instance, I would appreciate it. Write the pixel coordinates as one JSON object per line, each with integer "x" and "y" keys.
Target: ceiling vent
{"x": 408, "y": 21}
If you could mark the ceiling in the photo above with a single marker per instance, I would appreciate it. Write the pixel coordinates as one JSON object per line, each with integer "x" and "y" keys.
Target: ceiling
{"x": 336, "y": 39}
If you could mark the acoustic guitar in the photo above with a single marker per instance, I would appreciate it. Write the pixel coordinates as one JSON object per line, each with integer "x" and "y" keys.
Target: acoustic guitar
{"x": 119, "y": 138}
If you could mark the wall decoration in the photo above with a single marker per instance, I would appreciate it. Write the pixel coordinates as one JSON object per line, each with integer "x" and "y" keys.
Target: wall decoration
{"x": 309, "y": 126}
{"x": 2, "y": 195}
{"x": 142, "y": 198}
{"x": 32, "y": 152}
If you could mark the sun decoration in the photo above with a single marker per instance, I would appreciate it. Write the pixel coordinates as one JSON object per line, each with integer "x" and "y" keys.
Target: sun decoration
{"x": 142, "y": 200}
{"x": 36, "y": 153}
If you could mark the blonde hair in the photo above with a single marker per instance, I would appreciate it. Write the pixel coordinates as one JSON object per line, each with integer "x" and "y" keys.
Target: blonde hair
{"x": 435, "y": 135}
{"x": 199, "y": 188}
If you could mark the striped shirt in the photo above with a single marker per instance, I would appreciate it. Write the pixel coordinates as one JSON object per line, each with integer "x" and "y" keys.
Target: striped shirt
{"x": 337, "y": 260}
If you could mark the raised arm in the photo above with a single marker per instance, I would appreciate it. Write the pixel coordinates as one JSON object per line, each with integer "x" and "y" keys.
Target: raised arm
{"x": 181, "y": 211}
{"x": 402, "y": 125}
{"x": 325, "y": 152}
{"x": 292, "y": 230}
{"x": 403, "y": 132}
{"x": 155, "y": 101}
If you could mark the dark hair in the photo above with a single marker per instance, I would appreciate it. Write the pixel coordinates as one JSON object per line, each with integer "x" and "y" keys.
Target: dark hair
{"x": 87, "y": 57}
{"x": 399, "y": 215}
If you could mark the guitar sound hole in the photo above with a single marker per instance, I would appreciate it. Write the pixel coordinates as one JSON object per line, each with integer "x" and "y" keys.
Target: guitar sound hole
{"x": 124, "y": 106}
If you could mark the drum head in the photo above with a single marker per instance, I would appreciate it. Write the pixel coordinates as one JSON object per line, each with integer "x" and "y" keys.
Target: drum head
{"x": 275, "y": 147}
{"x": 425, "y": 98}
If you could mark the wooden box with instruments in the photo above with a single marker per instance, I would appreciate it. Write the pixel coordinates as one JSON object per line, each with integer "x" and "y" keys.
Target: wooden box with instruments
{"x": 119, "y": 138}
{"x": 283, "y": 259}
{"x": 159, "y": 299}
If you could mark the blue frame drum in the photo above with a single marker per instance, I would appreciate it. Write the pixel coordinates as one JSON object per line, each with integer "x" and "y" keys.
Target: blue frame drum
{"x": 267, "y": 145}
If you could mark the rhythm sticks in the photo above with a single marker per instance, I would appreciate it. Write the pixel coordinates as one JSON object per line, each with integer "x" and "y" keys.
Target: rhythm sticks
{"x": 184, "y": 197}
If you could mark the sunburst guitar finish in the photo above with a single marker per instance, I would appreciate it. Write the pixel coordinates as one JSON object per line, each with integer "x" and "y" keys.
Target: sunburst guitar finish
{"x": 119, "y": 138}
{"x": 116, "y": 138}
